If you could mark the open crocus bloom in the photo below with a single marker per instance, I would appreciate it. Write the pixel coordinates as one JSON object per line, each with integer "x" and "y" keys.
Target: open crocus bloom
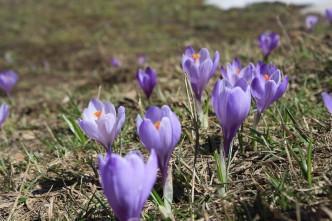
{"x": 327, "y": 99}
{"x": 4, "y": 112}
{"x": 8, "y": 80}
{"x": 200, "y": 68}
{"x": 234, "y": 71}
{"x": 311, "y": 21}
{"x": 231, "y": 105}
{"x": 268, "y": 85}
{"x": 127, "y": 182}
{"x": 147, "y": 80}
{"x": 160, "y": 129}
{"x": 101, "y": 123}
{"x": 268, "y": 41}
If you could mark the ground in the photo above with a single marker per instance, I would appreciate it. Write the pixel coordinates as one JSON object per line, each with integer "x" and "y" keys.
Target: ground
{"x": 61, "y": 51}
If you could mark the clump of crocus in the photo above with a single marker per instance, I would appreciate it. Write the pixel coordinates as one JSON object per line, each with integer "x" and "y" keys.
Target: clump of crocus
{"x": 147, "y": 80}
{"x": 160, "y": 129}
{"x": 4, "y": 112}
{"x": 267, "y": 87}
{"x": 101, "y": 123}
{"x": 231, "y": 103}
{"x": 127, "y": 182}
{"x": 234, "y": 71}
{"x": 328, "y": 15}
{"x": 8, "y": 80}
{"x": 116, "y": 63}
{"x": 268, "y": 41}
{"x": 311, "y": 21}
{"x": 200, "y": 68}
{"x": 327, "y": 99}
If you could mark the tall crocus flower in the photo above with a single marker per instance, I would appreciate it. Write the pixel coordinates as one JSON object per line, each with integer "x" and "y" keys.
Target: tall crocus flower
{"x": 100, "y": 122}
{"x": 268, "y": 41}
{"x": 127, "y": 182}
{"x": 160, "y": 129}
{"x": 234, "y": 71}
{"x": 231, "y": 103}
{"x": 200, "y": 68}
{"x": 268, "y": 85}
{"x": 328, "y": 14}
{"x": 4, "y": 112}
{"x": 311, "y": 21}
{"x": 147, "y": 80}
{"x": 327, "y": 99}
{"x": 8, "y": 80}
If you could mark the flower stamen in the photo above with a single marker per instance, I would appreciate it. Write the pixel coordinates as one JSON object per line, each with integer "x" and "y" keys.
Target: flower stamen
{"x": 196, "y": 56}
{"x": 267, "y": 77}
{"x": 157, "y": 125}
{"x": 97, "y": 114}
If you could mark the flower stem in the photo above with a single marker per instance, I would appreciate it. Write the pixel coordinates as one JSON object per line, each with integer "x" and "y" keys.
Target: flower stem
{"x": 256, "y": 119}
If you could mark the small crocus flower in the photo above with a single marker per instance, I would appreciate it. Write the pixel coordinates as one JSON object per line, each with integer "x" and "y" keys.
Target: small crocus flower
{"x": 8, "y": 80}
{"x": 231, "y": 103}
{"x": 147, "y": 80}
{"x": 311, "y": 21}
{"x": 100, "y": 122}
{"x": 116, "y": 63}
{"x": 268, "y": 41}
{"x": 328, "y": 14}
{"x": 327, "y": 99}
{"x": 160, "y": 129}
{"x": 200, "y": 68}
{"x": 127, "y": 182}
{"x": 234, "y": 71}
{"x": 4, "y": 112}
{"x": 141, "y": 59}
{"x": 268, "y": 85}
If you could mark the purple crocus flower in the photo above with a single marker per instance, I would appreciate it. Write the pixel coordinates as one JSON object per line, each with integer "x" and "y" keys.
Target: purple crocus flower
{"x": 311, "y": 21}
{"x": 127, "y": 182}
{"x": 234, "y": 71}
{"x": 8, "y": 80}
{"x": 147, "y": 80}
{"x": 231, "y": 105}
{"x": 268, "y": 41}
{"x": 4, "y": 112}
{"x": 141, "y": 59}
{"x": 160, "y": 129}
{"x": 200, "y": 68}
{"x": 327, "y": 99}
{"x": 116, "y": 63}
{"x": 328, "y": 14}
{"x": 268, "y": 85}
{"x": 101, "y": 123}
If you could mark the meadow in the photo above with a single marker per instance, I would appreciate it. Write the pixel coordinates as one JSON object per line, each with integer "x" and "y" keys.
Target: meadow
{"x": 64, "y": 51}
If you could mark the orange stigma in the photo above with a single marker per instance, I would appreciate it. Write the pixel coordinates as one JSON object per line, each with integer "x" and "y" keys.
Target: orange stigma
{"x": 97, "y": 114}
{"x": 266, "y": 77}
{"x": 237, "y": 71}
{"x": 196, "y": 56}
{"x": 157, "y": 125}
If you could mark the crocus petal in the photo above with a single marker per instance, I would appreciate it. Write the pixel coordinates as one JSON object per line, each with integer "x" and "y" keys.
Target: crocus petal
{"x": 4, "y": 112}
{"x": 281, "y": 89}
{"x": 215, "y": 63}
{"x": 327, "y": 99}
{"x": 149, "y": 135}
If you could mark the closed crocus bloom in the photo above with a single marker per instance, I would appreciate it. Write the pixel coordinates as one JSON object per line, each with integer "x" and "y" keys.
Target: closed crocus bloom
{"x": 327, "y": 99}
{"x": 8, "y": 80}
{"x": 231, "y": 105}
{"x": 4, "y": 112}
{"x": 328, "y": 14}
{"x": 147, "y": 80}
{"x": 100, "y": 122}
{"x": 268, "y": 41}
{"x": 200, "y": 68}
{"x": 127, "y": 182}
{"x": 310, "y": 22}
{"x": 234, "y": 71}
{"x": 268, "y": 85}
{"x": 160, "y": 129}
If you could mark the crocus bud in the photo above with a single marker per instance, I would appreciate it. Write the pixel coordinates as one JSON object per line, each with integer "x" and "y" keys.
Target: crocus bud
{"x": 100, "y": 122}
{"x": 268, "y": 85}
{"x": 127, "y": 182}
{"x": 4, "y": 112}
{"x": 268, "y": 41}
{"x": 200, "y": 68}
{"x": 328, "y": 15}
{"x": 231, "y": 105}
{"x": 160, "y": 129}
{"x": 8, "y": 80}
{"x": 310, "y": 22}
{"x": 147, "y": 80}
{"x": 234, "y": 71}
{"x": 327, "y": 99}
